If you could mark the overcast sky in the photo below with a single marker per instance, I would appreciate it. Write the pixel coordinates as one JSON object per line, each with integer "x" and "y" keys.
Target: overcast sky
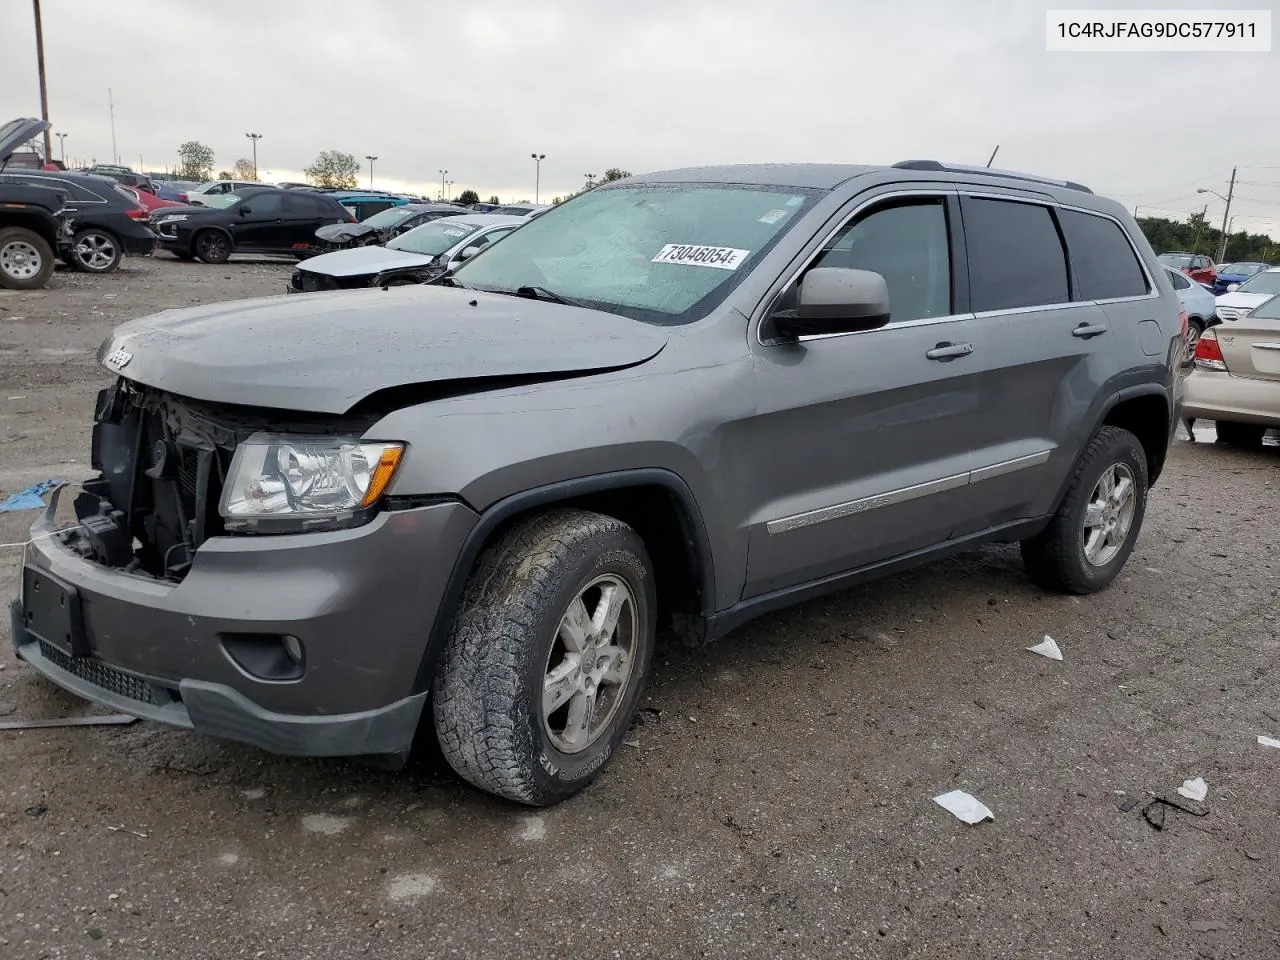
{"x": 474, "y": 87}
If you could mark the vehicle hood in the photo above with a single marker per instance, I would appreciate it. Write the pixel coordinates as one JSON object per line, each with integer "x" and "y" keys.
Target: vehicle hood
{"x": 1246, "y": 301}
{"x": 359, "y": 261}
{"x": 17, "y": 132}
{"x": 325, "y": 352}
{"x": 342, "y": 232}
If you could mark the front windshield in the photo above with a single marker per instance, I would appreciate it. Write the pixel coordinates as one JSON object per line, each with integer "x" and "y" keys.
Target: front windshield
{"x": 664, "y": 253}
{"x": 384, "y": 219}
{"x": 1175, "y": 260}
{"x": 1268, "y": 282}
{"x": 1267, "y": 310}
{"x": 220, "y": 201}
{"x": 433, "y": 238}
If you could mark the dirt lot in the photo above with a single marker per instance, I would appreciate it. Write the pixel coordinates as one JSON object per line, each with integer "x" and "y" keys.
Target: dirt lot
{"x": 779, "y": 800}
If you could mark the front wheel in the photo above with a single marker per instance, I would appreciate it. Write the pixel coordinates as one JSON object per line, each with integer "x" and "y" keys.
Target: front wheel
{"x": 95, "y": 251}
{"x": 26, "y": 260}
{"x": 1091, "y": 536}
{"x": 548, "y": 656}
{"x": 212, "y": 246}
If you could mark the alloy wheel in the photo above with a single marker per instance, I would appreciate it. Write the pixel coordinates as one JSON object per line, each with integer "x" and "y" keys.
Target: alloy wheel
{"x": 95, "y": 251}
{"x": 1108, "y": 517}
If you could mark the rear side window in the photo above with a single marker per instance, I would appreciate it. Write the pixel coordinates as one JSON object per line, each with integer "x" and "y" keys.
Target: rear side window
{"x": 1179, "y": 281}
{"x": 1102, "y": 258}
{"x": 1015, "y": 255}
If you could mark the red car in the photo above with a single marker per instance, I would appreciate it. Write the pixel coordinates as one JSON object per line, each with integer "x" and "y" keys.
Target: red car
{"x": 149, "y": 201}
{"x": 1195, "y": 265}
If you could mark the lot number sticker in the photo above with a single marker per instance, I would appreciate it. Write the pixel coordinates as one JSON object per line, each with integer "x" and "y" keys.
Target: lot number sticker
{"x": 722, "y": 258}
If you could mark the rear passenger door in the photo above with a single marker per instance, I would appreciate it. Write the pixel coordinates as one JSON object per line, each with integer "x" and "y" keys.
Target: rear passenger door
{"x": 1052, "y": 343}
{"x": 260, "y": 228}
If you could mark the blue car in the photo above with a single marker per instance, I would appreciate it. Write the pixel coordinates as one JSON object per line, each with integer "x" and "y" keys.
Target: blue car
{"x": 361, "y": 203}
{"x": 1230, "y": 273}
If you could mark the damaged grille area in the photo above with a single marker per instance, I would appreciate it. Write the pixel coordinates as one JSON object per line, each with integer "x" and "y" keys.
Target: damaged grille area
{"x": 99, "y": 674}
{"x": 163, "y": 462}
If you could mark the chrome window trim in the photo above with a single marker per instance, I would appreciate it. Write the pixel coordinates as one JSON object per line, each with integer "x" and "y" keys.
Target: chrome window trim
{"x": 890, "y": 498}
{"x": 842, "y": 220}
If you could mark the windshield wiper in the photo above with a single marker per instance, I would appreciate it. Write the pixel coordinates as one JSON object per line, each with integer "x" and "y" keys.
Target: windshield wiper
{"x": 542, "y": 293}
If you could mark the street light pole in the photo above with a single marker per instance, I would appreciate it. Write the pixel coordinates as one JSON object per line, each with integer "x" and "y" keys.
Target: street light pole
{"x": 442, "y": 176}
{"x": 255, "y": 137}
{"x": 1226, "y": 210}
{"x": 62, "y": 147}
{"x": 537, "y": 174}
{"x": 370, "y": 157}
{"x": 44, "y": 93}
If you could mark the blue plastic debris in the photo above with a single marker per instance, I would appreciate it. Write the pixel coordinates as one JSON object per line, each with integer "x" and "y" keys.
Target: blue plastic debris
{"x": 31, "y": 498}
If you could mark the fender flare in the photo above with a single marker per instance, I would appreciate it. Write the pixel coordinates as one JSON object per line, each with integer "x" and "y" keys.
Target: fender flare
{"x": 492, "y": 516}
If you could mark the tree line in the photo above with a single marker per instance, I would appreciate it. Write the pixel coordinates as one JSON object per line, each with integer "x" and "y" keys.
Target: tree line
{"x": 1197, "y": 235}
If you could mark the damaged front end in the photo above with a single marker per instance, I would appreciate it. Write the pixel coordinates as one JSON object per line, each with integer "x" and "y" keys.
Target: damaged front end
{"x": 163, "y": 461}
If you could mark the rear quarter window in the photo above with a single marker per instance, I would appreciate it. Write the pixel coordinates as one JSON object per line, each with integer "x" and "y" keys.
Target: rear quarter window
{"x": 1102, "y": 258}
{"x": 1015, "y": 255}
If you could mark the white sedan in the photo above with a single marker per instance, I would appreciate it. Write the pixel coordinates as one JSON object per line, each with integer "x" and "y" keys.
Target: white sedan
{"x": 1254, "y": 292}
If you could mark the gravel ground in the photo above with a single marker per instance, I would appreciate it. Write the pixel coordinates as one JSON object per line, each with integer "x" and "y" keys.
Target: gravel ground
{"x": 776, "y": 800}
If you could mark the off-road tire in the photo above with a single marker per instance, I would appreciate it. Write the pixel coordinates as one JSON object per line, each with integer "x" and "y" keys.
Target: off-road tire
{"x": 22, "y": 280}
{"x": 1237, "y": 434}
{"x": 487, "y": 693}
{"x": 1055, "y": 558}
{"x": 207, "y": 250}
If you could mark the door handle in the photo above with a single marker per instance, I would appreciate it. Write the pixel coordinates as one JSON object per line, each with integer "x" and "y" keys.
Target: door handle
{"x": 947, "y": 351}
{"x": 1087, "y": 330}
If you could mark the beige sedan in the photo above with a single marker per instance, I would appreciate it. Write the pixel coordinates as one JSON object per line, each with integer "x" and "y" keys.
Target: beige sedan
{"x": 1235, "y": 380}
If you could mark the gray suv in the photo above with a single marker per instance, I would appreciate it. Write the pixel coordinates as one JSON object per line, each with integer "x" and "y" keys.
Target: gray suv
{"x": 666, "y": 406}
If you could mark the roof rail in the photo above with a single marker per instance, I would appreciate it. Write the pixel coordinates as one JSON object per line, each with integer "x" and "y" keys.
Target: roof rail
{"x": 970, "y": 168}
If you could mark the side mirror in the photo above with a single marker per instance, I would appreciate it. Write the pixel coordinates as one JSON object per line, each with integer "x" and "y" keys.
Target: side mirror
{"x": 1231, "y": 287}
{"x": 836, "y": 300}
{"x": 245, "y": 211}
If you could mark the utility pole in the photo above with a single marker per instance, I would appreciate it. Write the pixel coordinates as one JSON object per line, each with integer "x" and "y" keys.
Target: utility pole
{"x": 1222, "y": 250}
{"x": 370, "y": 158}
{"x": 255, "y": 137}
{"x": 111, "y": 107}
{"x": 44, "y": 93}
{"x": 537, "y": 175}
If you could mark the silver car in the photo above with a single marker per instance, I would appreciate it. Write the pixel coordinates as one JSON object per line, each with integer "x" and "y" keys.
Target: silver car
{"x": 1197, "y": 303}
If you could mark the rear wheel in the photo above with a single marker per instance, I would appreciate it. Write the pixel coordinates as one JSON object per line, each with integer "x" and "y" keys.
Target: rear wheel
{"x": 1240, "y": 434}
{"x": 95, "y": 251}
{"x": 1091, "y": 536}
{"x": 1195, "y": 328}
{"x": 548, "y": 658}
{"x": 26, "y": 260}
{"x": 212, "y": 246}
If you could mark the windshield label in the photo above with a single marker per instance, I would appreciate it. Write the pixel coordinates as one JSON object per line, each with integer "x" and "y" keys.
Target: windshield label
{"x": 722, "y": 258}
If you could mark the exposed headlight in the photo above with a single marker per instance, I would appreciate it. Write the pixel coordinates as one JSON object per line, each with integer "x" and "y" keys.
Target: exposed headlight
{"x": 301, "y": 483}
{"x": 171, "y": 218}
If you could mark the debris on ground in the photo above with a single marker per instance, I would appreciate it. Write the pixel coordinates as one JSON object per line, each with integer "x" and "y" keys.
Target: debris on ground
{"x": 1153, "y": 812}
{"x": 31, "y": 498}
{"x": 36, "y": 810}
{"x": 1128, "y": 804}
{"x": 1268, "y": 742}
{"x": 1207, "y": 926}
{"x": 964, "y": 806}
{"x": 110, "y": 719}
{"x": 132, "y": 833}
{"x": 1048, "y": 647}
{"x": 1195, "y": 789}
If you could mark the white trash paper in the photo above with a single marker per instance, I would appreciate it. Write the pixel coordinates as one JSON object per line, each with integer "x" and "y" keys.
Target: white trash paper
{"x": 1268, "y": 742}
{"x": 1048, "y": 647}
{"x": 965, "y": 807}
{"x": 1195, "y": 789}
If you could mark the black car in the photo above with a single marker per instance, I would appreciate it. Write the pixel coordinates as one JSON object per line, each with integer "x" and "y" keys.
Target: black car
{"x": 107, "y": 223}
{"x": 34, "y": 221}
{"x": 383, "y": 226}
{"x": 251, "y": 220}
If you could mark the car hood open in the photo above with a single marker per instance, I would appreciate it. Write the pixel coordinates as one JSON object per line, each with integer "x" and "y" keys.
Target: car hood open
{"x": 360, "y": 261}
{"x": 325, "y": 352}
{"x": 342, "y": 232}
{"x": 17, "y": 132}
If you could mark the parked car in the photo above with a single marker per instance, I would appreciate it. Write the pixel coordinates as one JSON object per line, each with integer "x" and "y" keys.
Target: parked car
{"x": 519, "y": 209}
{"x": 481, "y": 207}
{"x": 199, "y": 196}
{"x": 150, "y": 201}
{"x": 421, "y": 254}
{"x": 1252, "y": 293}
{"x": 35, "y": 221}
{"x": 363, "y": 204}
{"x": 256, "y": 219}
{"x": 1195, "y": 265}
{"x": 108, "y": 222}
{"x": 382, "y": 226}
{"x": 1197, "y": 302}
{"x": 1236, "y": 273}
{"x": 175, "y": 190}
{"x": 682, "y": 400}
{"x": 125, "y": 176}
{"x": 1236, "y": 378}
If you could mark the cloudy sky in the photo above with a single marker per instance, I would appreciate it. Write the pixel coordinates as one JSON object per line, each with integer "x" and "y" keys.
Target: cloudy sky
{"x": 474, "y": 87}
